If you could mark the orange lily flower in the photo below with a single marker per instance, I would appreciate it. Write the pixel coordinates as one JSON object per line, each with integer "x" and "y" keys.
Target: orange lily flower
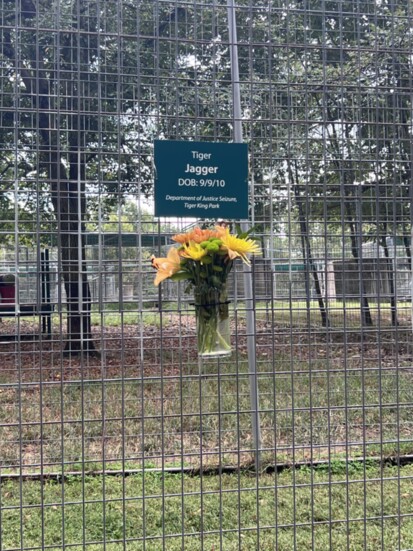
{"x": 166, "y": 266}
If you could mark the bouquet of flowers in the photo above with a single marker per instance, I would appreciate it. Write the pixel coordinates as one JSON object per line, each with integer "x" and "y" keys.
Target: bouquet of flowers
{"x": 204, "y": 258}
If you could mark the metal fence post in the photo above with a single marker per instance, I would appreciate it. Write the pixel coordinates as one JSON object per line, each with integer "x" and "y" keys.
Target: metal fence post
{"x": 248, "y": 290}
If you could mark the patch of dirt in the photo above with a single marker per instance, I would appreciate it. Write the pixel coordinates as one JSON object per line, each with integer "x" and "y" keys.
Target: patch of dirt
{"x": 129, "y": 351}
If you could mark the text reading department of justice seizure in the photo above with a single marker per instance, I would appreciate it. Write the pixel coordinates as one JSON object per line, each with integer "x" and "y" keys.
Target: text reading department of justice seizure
{"x": 192, "y": 202}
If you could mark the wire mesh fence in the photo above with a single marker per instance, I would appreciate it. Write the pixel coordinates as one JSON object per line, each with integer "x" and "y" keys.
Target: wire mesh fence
{"x": 114, "y": 434}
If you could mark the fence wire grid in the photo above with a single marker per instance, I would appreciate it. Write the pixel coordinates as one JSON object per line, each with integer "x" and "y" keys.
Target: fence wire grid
{"x": 113, "y": 434}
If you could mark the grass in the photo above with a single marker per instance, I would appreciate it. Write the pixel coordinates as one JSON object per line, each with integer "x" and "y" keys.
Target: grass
{"x": 318, "y": 400}
{"x": 351, "y": 508}
{"x": 115, "y": 315}
{"x": 167, "y": 418}
{"x": 297, "y": 313}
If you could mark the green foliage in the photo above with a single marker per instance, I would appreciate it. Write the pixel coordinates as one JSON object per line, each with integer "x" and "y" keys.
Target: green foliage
{"x": 334, "y": 142}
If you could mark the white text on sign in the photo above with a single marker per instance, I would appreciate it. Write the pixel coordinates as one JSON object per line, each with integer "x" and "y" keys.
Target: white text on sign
{"x": 200, "y": 156}
{"x": 192, "y": 182}
{"x": 204, "y": 170}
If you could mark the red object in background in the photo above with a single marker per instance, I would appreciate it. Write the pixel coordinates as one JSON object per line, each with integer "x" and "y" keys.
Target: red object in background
{"x": 8, "y": 294}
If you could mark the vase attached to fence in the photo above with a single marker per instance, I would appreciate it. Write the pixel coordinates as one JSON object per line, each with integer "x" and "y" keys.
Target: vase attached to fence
{"x": 204, "y": 258}
{"x": 212, "y": 323}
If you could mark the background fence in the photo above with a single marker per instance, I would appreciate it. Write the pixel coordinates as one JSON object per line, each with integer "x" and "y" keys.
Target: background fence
{"x": 112, "y": 434}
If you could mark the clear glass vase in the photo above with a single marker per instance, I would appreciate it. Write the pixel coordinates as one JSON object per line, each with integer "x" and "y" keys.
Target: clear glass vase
{"x": 212, "y": 322}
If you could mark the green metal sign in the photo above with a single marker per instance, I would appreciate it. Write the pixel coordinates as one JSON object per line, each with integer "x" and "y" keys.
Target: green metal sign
{"x": 201, "y": 179}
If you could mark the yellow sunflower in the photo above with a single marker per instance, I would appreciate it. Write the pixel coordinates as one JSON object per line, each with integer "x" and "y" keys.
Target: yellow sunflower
{"x": 193, "y": 250}
{"x": 166, "y": 266}
{"x": 238, "y": 247}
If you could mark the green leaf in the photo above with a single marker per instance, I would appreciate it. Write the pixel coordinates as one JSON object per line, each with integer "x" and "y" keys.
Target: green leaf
{"x": 242, "y": 235}
{"x": 180, "y": 276}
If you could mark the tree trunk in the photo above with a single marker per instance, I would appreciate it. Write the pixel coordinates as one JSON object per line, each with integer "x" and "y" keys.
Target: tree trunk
{"x": 407, "y": 248}
{"x": 355, "y": 232}
{"x": 390, "y": 263}
{"x": 307, "y": 253}
{"x": 70, "y": 207}
{"x": 67, "y": 196}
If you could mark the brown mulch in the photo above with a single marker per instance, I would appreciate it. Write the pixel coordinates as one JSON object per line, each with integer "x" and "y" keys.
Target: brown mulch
{"x": 165, "y": 351}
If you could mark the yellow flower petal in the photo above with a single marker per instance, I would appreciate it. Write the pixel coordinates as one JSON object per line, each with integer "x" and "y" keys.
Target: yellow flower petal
{"x": 193, "y": 250}
{"x": 239, "y": 248}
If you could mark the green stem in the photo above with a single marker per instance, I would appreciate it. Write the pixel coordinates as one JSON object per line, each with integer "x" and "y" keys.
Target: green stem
{"x": 212, "y": 321}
